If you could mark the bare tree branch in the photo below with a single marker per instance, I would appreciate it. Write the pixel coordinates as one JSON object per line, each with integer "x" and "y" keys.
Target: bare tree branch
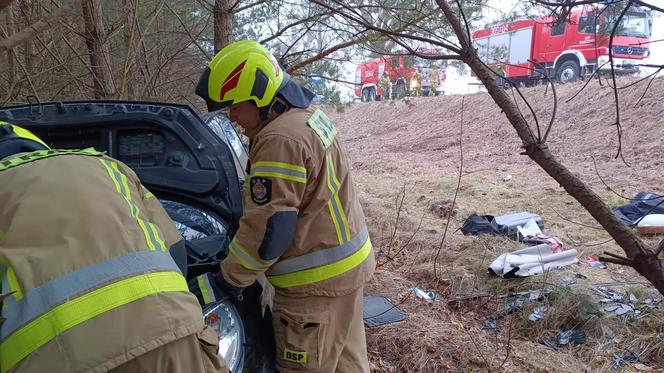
{"x": 37, "y": 27}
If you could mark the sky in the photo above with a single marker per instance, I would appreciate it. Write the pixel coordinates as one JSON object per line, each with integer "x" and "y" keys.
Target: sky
{"x": 458, "y": 83}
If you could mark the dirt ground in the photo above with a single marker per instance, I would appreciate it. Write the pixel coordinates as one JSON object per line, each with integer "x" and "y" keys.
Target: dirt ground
{"x": 406, "y": 157}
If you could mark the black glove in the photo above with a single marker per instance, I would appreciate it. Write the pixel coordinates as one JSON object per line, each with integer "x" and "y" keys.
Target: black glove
{"x": 211, "y": 287}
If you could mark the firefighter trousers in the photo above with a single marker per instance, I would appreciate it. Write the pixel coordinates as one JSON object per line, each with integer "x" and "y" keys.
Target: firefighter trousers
{"x": 320, "y": 334}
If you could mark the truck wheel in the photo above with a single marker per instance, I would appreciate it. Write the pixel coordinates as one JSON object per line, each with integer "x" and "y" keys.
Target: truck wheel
{"x": 365, "y": 95}
{"x": 568, "y": 72}
{"x": 372, "y": 94}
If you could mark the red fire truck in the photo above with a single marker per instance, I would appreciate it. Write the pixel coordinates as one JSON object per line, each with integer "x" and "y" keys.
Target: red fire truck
{"x": 400, "y": 69}
{"x": 568, "y": 50}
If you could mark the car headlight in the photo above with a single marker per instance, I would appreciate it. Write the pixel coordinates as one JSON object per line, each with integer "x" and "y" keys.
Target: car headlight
{"x": 225, "y": 320}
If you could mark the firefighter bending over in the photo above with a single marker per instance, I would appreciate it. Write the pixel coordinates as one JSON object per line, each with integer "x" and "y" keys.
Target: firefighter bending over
{"x": 84, "y": 255}
{"x": 303, "y": 226}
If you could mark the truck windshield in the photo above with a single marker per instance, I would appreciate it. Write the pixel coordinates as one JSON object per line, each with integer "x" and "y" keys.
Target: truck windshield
{"x": 633, "y": 24}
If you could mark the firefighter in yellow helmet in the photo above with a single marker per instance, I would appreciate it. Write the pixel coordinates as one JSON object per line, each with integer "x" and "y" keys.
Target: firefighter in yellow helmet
{"x": 88, "y": 282}
{"x": 303, "y": 226}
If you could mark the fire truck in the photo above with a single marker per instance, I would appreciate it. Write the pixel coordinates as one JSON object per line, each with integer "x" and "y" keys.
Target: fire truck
{"x": 400, "y": 69}
{"x": 526, "y": 49}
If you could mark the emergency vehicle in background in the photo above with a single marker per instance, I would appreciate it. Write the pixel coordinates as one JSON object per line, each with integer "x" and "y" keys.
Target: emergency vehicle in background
{"x": 577, "y": 47}
{"x": 400, "y": 69}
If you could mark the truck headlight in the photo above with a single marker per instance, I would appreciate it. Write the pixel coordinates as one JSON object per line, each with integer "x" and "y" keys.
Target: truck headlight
{"x": 225, "y": 320}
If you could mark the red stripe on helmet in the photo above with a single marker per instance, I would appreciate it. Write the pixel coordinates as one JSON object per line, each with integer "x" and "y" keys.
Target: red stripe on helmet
{"x": 232, "y": 80}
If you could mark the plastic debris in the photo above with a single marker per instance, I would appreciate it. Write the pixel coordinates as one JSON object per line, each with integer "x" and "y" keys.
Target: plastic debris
{"x": 511, "y": 306}
{"x": 507, "y": 178}
{"x": 490, "y": 324}
{"x": 538, "y": 313}
{"x": 429, "y": 296}
{"x": 593, "y": 262}
{"x": 626, "y": 357}
{"x": 566, "y": 282}
{"x": 565, "y": 337}
{"x": 531, "y": 261}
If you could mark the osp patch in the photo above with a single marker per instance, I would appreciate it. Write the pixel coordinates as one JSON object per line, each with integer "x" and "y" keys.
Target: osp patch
{"x": 295, "y": 356}
{"x": 261, "y": 190}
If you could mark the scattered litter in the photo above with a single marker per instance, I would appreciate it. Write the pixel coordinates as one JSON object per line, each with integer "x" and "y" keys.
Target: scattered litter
{"x": 620, "y": 304}
{"x": 651, "y": 224}
{"x": 490, "y": 324}
{"x": 506, "y": 225}
{"x": 510, "y": 307}
{"x": 567, "y": 282}
{"x": 593, "y": 262}
{"x": 610, "y": 335}
{"x": 379, "y": 311}
{"x": 381, "y": 252}
{"x": 565, "y": 337}
{"x": 619, "y": 309}
{"x": 626, "y": 357}
{"x": 429, "y": 296}
{"x": 507, "y": 178}
{"x": 529, "y": 229}
{"x": 642, "y": 204}
{"x": 554, "y": 241}
{"x": 538, "y": 313}
{"x": 530, "y": 261}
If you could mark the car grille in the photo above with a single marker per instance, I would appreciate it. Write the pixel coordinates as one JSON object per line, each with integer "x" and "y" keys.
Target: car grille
{"x": 631, "y": 51}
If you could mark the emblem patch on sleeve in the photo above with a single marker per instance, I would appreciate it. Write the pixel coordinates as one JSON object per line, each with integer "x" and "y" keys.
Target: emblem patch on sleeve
{"x": 261, "y": 190}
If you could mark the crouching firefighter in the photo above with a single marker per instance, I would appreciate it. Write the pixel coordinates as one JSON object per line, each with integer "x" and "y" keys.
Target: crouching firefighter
{"x": 302, "y": 225}
{"x": 88, "y": 282}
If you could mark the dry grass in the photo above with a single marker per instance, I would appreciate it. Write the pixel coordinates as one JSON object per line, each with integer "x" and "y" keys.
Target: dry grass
{"x": 404, "y": 162}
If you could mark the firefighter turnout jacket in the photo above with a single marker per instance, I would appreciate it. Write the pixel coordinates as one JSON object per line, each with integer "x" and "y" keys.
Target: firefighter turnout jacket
{"x": 303, "y": 224}
{"x": 84, "y": 249}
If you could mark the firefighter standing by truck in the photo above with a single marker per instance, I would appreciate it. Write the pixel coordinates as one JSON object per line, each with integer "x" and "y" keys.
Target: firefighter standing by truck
{"x": 416, "y": 82}
{"x": 434, "y": 78}
{"x": 384, "y": 84}
{"x": 303, "y": 226}
{"x": 88, "y": 282}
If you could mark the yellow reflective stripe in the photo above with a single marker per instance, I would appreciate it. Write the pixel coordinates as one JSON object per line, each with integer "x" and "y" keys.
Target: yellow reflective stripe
{"x": 280, "y": 175}
{"x": 287, "y": 166}
{"x": 147, "y": 193}
{"x": 204, "y": 289}
{"x": 247, "y": 260}
{"x": 11, "y": 278}
{"x": 335, "y": 221}
{"x": 279, "y": 170}
{"x": 150, "y": 231}
{"x": 344, "y": 220}
{"x": 81, "y": 309}
{"x": 18, "y": 160}
{"x": 337, "y": 212}
{"x": 313, "y": 275}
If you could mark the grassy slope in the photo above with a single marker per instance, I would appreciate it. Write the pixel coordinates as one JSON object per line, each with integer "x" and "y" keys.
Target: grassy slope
{"x": 413, "y": 149}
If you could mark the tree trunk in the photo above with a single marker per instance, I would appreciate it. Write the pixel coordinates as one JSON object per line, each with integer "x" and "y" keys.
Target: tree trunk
{"x": 95, "y": 38}
{"x": 642, "y": 258}
{"x": 223, "y": 23}
{"x": 128, "y": 78}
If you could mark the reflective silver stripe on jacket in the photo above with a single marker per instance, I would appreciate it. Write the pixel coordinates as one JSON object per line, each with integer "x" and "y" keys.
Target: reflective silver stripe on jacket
{"x": 320, "y": 257}
{"x": 70, "y": 285}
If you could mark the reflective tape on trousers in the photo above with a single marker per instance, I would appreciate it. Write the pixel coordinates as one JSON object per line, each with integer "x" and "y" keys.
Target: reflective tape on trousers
{"x": 321, "y": 257}
{"x": 61, "y": 289}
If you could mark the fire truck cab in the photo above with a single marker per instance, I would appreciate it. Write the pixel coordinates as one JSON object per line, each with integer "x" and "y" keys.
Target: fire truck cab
{"x": 525, "y": 50}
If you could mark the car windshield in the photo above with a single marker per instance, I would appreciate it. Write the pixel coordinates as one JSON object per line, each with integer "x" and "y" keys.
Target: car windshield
{"x": 223, "y": 128}
{"x": 633, "y": 24}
